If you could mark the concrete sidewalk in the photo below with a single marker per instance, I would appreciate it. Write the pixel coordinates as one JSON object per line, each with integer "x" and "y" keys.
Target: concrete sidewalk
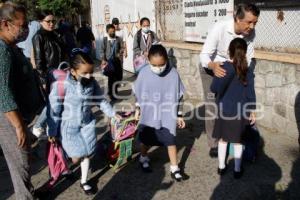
{"x": 275, "y": 175}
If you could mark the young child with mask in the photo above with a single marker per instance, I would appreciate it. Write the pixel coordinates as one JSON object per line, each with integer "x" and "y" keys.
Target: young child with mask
{"x": 144, "y": 39}
{"x": 111, "y": 49}
{"x": 159, "y": 93}
{"x": 72, "y": 119}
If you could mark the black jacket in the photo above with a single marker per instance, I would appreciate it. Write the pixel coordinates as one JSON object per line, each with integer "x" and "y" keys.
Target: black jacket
{"x": 48, "y": 50}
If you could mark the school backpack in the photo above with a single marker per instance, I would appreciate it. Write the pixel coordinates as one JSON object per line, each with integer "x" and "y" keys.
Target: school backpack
{"x": 125, "y": 128}
{"x": 110, "y": 69}
{"x": 59, "y": 75}
{"x": 55, "y": 155}
{"x": 56, "y": 161}
{"x": 140, "y": 61}
{"x": 251, "y": 141}
{"x": 122, "y": 137}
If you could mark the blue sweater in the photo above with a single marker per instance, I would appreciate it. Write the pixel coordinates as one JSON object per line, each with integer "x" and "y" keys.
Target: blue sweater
{"x": 234, "y": 95}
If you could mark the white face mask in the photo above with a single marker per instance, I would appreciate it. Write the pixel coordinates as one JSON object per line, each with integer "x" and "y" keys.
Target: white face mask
{"x": 158, "y": 70}
{"x": 146, "y": 29}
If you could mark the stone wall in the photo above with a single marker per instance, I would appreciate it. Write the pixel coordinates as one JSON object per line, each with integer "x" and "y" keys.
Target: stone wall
{"x": 277, "y": 86}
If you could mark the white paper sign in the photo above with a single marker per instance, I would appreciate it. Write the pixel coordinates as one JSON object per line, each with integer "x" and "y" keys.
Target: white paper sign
{"x": 201, "y": 15}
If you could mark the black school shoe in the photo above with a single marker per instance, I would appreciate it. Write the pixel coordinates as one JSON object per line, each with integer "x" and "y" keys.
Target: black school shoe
{"x": 238, "y": 175}
{"x": 180, "y": 177}
{"x": 213, "y": 152}
{"x": 146, "y": 169}
{"x": 87, "y": 191}
{"x": 221, "y": 172}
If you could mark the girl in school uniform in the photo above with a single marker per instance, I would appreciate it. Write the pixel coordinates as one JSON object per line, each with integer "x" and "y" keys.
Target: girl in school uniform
{"x": 236, "y": 104}
{"x": 159, "y": 90}
{"x": 72, "y": 119}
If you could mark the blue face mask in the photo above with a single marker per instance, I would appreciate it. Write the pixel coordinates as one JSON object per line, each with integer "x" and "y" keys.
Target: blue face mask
{"x": 146, "y": 29}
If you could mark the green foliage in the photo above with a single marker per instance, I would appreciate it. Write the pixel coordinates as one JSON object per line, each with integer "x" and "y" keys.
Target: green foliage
{"x": 64, "y": 7}
{"x": 61, "y": 8}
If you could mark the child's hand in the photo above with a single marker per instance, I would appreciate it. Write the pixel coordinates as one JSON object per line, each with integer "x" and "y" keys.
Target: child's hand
{"x": 51, "y": 139}
{"x": 137, "y": 114}
{"x": 103, "y": 64}
{"x": 145, "y": 54}
{"x": 118, "y": 117}
{"x": 252, "y": 118}
{"x": 180, "y": 123}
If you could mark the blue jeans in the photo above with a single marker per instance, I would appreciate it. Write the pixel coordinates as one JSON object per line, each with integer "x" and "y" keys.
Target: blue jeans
{"x": 42, "y": 120}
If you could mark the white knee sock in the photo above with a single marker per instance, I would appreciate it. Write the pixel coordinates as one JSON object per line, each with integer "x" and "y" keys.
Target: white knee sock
{"x": 222, "y": 150}
{"x": 238, "y": 150}
{"x": 85, "y": 165}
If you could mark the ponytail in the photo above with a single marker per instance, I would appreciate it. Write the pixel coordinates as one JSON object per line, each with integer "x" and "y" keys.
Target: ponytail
{"x": 237, "y": 52}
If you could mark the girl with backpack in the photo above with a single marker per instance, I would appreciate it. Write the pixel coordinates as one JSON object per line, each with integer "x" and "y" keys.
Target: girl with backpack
{"x": 144, "y": 38}
{"x": 142, "y": 42}
{"x": 159, "y": 92}
{"x": 236, "y": 104}
{"x": 71, "y": 117}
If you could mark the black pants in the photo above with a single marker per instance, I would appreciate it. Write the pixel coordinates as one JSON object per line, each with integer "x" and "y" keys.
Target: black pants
{"x": 114, "y": 79}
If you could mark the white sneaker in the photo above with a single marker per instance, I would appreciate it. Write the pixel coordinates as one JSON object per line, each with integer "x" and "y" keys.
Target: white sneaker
{"x": 38, "y": 132}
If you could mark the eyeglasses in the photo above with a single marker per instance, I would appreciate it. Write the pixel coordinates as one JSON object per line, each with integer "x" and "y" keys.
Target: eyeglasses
{"x": 50, "y": 21}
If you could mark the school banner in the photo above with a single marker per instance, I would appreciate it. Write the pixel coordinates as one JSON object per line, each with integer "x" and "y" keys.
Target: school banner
{"x": 201, "y": 15}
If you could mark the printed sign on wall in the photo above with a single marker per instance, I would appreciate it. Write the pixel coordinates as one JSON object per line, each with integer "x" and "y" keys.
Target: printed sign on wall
{"x": 201, "y": 15}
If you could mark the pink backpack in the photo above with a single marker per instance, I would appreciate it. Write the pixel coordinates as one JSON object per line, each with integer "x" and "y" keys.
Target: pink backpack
{"x": 56, "y": 162}
{"x": 139, "y": 62}
{"x": 55, "y": 154}
{"x": 124, "y": 129}
{"x": 60, "y": 75}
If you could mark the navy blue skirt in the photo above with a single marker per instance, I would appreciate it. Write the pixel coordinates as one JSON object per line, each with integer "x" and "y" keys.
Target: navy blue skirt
{"x": 152, "y": 137}
{"x": 230, "y": 130}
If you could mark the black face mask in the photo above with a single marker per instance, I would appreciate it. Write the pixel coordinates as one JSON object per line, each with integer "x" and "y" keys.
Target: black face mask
{"x": 113, "y": 35}
{"x": 85, "y": 81}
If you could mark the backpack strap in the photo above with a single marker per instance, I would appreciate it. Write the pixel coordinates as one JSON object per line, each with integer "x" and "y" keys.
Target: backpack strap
{"x": 152, "y": 35}
{"x": 105, "y": 39}
{"x": 139, "y": 36}
{"x": 61, "y": 89}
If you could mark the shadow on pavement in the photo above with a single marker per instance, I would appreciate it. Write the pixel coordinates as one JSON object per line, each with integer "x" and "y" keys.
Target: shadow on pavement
{"x": 131, "y": 183}
{"x": 258, "y": 182}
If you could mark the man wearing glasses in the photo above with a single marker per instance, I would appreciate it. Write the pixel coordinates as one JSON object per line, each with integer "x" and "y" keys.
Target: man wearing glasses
{"x": 215, "y": 52}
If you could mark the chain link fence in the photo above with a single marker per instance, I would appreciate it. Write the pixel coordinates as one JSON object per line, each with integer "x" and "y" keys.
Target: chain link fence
{"x": 278, "y": 28}
{"x": 169, "y": 19}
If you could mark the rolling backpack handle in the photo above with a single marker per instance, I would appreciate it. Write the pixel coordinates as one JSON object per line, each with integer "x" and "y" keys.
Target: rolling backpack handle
{"x": 63, "y": 65}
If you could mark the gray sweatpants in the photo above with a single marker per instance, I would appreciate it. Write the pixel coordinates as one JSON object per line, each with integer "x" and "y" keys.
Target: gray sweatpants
{"x": 209, "y": 108}
{"x": 17, "y": 160}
